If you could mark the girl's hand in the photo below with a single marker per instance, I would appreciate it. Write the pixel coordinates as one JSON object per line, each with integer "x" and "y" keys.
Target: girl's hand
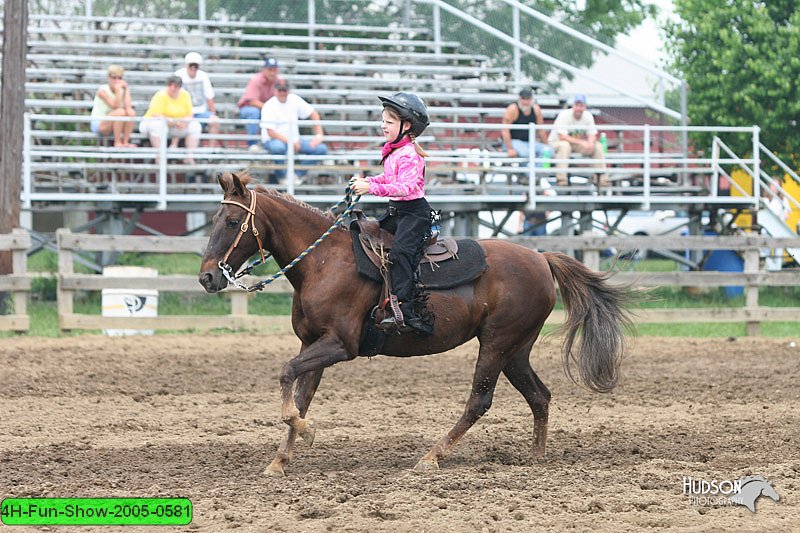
{"x": 360, "y": 186}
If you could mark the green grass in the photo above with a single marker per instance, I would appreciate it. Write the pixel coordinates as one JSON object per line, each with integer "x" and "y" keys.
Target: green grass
{"x": 44, "y": 318}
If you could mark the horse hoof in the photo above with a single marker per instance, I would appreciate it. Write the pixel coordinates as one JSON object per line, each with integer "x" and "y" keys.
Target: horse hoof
{"x": 308, "y": 432}
{"x": 274, "y": 470}
{"x": 426, "y": 465}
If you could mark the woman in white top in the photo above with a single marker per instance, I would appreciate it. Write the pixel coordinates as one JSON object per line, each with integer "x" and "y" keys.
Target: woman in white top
{"x": 114, "y": 100}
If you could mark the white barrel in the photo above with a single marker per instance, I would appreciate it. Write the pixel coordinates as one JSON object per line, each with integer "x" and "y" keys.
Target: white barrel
{"x": 130, "y": 302}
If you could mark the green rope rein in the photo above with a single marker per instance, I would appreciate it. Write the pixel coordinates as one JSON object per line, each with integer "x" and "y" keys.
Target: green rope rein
{"x": 351, "y": 203}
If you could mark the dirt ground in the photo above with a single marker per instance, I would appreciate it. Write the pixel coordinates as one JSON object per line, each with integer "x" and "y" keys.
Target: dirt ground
{"x": 198, "y": 417}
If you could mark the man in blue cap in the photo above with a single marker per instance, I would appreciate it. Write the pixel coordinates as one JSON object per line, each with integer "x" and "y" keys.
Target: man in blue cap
{"x": 574, "y": 131}
{"x": 260, "y": 88}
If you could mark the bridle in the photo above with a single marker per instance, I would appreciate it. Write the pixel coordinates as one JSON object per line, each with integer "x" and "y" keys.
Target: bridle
{"x": 249, "y": 223}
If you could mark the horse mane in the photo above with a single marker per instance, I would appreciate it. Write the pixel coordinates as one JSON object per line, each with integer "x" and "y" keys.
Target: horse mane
{"x": 245, "y": 178}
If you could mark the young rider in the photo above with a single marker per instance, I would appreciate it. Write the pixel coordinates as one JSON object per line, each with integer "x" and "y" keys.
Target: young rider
{"x": 404, "y": 118}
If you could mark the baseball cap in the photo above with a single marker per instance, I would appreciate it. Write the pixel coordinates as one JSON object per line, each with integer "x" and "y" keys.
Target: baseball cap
{"x": 281, "y": 85}
{"x": 579, "y": 98}
{"x": 526, "y": 93}
{"x": 271, "y": 62}
{"x": 193, "y": 57}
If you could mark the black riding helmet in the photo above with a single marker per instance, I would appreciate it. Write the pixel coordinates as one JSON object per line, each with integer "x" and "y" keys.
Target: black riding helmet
{"x": 410, "y": 107}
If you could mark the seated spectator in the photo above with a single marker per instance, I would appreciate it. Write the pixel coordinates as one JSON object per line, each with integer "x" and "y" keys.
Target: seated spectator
{"x": 574, "y": 131}
{"x": 197, "y": 83}
{"x": 279, "y": 126}
{"x": 175, "y": 105}
{"x": 524, "y": 111}
{"x": 260, "y": 88}
{"x": 114, "y": 100}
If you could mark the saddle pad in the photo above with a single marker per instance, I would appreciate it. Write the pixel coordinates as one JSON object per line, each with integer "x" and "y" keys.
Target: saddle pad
{"x": 471, "y": 263}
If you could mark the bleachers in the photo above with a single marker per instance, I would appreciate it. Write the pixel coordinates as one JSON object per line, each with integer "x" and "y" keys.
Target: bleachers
{"x": 341, "y": 76}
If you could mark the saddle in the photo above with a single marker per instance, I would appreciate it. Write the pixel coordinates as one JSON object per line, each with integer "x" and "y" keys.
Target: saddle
{"x": 376, "y": 243}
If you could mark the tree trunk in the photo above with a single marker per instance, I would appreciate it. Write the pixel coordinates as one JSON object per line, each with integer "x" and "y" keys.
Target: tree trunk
{"x": 12, "y": 105}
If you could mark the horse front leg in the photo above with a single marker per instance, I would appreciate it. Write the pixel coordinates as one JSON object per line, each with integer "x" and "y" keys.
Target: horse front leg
{"x": 304, "y": 392}
{"x": 321, "y": 354}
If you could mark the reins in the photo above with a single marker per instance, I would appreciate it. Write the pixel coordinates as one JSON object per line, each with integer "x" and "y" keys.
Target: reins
{"x": 227, "y": 271}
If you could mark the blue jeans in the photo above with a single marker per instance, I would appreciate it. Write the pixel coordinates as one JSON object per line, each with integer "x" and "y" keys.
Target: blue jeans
{"x": 249, "y": 112}
{"x": 277, "y": 147}
{"x": 523, "y": 149}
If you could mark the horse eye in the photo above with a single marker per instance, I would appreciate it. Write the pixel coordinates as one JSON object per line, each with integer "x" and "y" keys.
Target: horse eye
{"x": 233, "y": 223}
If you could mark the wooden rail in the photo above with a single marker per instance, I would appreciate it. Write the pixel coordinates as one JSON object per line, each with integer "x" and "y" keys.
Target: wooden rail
{"x": 752, "y": 314}
{"x": 751, "y": 278}
{"x": 69, "y": 282}
{"x": 17, "y": 283}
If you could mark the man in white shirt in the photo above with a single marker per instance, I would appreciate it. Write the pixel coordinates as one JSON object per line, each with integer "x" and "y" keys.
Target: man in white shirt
{"x": 574, "y": 130}
{"x": 279, "y": 127}
{"x": 199, "y": 87}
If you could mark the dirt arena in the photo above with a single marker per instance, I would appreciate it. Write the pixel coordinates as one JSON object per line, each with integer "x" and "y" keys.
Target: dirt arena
{"x": 198, "y": 416}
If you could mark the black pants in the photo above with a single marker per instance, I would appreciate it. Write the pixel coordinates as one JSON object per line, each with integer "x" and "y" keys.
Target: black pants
{"x": 410, "y": 222}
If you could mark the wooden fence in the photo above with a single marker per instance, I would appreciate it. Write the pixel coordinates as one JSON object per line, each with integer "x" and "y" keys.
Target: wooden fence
{"x": 17, "y": 283}
{"x": 69, "y": 282}
{"x": 752, "y": 279}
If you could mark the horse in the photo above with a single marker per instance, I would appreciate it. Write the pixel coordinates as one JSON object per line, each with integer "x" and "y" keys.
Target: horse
{"x": 505, "y": 308}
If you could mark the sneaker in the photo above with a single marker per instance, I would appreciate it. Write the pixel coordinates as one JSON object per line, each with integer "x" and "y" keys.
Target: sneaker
{"x": 256, "y": 148}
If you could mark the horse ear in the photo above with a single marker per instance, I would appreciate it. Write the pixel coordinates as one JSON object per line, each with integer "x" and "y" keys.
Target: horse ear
{"x": 237, "y": 185}
{"x": 223, "y": 183}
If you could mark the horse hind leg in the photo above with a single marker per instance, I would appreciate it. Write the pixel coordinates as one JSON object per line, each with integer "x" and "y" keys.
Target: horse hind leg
{"x": 487, "y": 370}
{"x": 520, "y": 374}
{"x": 304, "y": 392}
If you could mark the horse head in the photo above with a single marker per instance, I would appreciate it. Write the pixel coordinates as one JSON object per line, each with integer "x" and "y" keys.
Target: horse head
{"x": 752, "y": 488}
{"x": 234, "y": 236}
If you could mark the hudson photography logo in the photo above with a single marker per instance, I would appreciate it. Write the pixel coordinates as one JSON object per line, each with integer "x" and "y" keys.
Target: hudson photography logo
{"x": 720, "y": 493}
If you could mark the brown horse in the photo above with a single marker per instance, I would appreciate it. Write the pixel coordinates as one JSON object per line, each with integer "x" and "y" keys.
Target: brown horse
{"x": 505, "y": 308}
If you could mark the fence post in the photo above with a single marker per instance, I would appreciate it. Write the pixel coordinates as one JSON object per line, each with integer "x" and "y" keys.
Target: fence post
{"x": 239, "y": 303}
{"x": 20, "y": 267}
{"x": 65, "y": 267}
{"x": 753, "y": 327}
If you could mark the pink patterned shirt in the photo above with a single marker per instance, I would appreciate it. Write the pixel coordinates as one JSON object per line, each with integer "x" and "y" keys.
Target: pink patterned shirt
{"x": 403, "y": 177}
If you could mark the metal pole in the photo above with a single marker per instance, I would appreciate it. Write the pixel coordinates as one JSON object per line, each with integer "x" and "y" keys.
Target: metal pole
{"x": 201, "y": 16}
{"x": 290, "y": 177}
{"x": 89, "y": 14}
{"x": 715, "y": 167}
{"x": 162, "y": 166}
{"x": 312, "y": 19}
{"x": 684, "y": 132}
{"x": 517, "y": 51}
{"x": 756, "y": 168}
{"x": 646, "y": 203}
{"x": 407, "y": 14}
{"x": 437, "y": 30}
{"x": 26, "y": 161}
{"x": 532, "y": 164}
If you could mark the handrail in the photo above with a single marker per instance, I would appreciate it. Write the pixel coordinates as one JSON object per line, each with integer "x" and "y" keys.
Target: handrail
{"x": 439, "y": 4}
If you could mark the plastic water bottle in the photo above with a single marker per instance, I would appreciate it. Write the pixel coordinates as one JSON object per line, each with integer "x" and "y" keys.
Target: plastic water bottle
{"x": 546, "y": 157}
{"x": 604, "y": 142}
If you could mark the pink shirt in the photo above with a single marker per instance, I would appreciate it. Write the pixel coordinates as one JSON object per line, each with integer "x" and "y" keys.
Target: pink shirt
{"x": 258, "y": 88}
{"x": 403, "y": 177}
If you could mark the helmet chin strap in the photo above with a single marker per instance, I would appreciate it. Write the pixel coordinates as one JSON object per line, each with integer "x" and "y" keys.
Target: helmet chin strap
{"x": 402, "y": 133}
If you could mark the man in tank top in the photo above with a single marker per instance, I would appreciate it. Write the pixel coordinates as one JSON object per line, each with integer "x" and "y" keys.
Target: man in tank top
{"x": 516, "y": 141}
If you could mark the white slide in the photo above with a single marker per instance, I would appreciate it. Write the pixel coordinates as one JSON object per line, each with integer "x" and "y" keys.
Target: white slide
{"x": 776, "y": 227}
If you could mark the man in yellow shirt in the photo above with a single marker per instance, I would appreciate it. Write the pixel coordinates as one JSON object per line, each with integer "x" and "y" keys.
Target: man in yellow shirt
{"x": 175, "y": 106}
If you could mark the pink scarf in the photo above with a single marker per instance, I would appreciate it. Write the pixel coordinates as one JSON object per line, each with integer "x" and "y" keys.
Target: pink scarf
{"x": 388, "y": 148}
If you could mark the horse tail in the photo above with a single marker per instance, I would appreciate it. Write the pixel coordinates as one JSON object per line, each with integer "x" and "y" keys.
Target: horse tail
{"x": 597, "y": 312}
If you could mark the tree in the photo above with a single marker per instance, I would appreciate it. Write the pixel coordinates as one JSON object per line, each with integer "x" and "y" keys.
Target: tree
{"x": 741, "y": 60}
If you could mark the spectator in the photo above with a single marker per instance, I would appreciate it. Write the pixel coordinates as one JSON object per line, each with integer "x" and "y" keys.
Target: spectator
{"x": 260, "y": 88}
{"x": 574, "y": 131}
{"x": 524, "y": 111}
{"x": 279, "y": 126}
{"x": 114, "y": 100}
{"x": 197, "y": 83}
{"x": 175, "y": 105}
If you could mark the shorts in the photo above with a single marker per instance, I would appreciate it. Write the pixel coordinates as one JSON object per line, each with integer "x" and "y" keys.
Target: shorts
{"x": 95, "y": 126}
